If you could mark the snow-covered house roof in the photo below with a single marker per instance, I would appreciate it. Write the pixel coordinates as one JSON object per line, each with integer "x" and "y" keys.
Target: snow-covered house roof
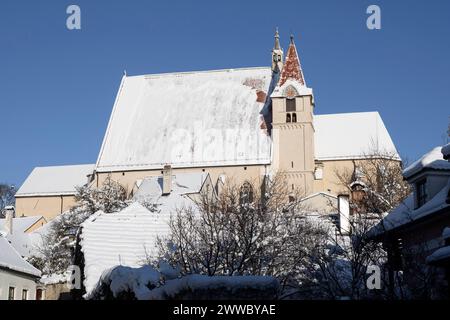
{"x": 12, "y": 260}
{"x": 191, "y": 119}
{"x": 407, "y": 213}
{"x": 351, "y": 136}
{"x": 130, "y": 236}
{"x": 44, "y": 181}
{"x": 431, "y": 160}
{"x": 127, "y": 237}
{"x": 20, "y": 238}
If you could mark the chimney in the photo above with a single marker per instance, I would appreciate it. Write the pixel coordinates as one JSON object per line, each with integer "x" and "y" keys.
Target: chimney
{"x": 167, "y": 180}
{"x": 9, "y": 215}
{"x": 344, "y": 213}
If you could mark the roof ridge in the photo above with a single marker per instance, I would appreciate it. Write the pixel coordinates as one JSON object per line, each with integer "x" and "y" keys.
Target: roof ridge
{"x": 196, "y": 72}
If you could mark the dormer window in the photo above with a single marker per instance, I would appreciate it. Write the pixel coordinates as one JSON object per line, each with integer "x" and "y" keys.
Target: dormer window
{"x": 290, "y": 105}
{"x": 421, "y": 193}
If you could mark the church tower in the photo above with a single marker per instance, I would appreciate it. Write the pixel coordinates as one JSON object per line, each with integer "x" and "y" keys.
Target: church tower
{"x": 292, "y": 125}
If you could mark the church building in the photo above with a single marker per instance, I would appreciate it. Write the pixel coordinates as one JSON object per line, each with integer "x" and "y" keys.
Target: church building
{"x": 234, "y": 125}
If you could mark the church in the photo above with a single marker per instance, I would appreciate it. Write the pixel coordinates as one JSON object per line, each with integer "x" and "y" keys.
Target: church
{"x": 233, "y": 125}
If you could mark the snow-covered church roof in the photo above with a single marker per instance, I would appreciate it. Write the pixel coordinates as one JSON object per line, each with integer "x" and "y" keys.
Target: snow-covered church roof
{"x": 188, "y": 119}
{"x": 213, "y": 118}
{"x": 351, "y": 136}
{"x": 57, "y": 180}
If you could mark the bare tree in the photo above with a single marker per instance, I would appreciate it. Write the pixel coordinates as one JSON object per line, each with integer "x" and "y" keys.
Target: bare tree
{"x": 7, "y": 193}
{"x": 376, "y": 182}
{"x": 245, "y": 231}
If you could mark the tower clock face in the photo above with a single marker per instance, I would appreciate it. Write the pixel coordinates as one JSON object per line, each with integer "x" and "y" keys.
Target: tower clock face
{"x": 290, "y": 92}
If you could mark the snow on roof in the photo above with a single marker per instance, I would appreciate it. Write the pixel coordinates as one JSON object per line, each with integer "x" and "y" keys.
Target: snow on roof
{"x": 19, "y": 239}
{"x": 55, "y": 180}
{"x": 191, "y": 119}
{"x": 406, "y": 213}
{"x": 127, "y": 237}
{"x": 351, "y": 136}
{"x": 431, "y": 160}
{"x": 182, "y": 183}
{"x": 11, "y": 259}
{"x": 446, "y": 233}
{"x": 446, "y": 151}
{"x": 439, "y": 254}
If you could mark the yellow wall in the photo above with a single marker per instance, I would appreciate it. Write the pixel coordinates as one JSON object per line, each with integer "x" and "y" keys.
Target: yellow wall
{"x": 47, "y": 206}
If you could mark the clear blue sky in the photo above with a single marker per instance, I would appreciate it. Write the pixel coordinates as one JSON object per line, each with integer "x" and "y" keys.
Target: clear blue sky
{"x": 57, "y": 87}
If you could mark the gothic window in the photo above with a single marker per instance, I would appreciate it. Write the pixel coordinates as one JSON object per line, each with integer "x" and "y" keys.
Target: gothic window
{"x": 288, "y": 117}
{"x": 290, "y": 105}
{"x": 246, "y": 194}
{"x": 294, "y": 117}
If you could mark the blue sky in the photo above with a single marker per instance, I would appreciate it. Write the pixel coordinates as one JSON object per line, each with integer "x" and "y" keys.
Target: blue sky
{"x": 57, "y": 87}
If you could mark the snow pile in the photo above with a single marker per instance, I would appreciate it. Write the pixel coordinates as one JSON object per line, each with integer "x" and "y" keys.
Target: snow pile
{"x": 54, "y": 279}
{"x": 148, "y": 283}
{"x": 431, "y": 160}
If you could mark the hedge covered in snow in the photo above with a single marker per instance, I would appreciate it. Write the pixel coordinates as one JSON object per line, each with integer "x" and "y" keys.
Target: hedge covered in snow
{"x": 148, "y": 283}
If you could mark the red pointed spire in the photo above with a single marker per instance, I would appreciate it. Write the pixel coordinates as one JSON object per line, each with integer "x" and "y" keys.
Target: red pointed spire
{"x": 292, "y": 68}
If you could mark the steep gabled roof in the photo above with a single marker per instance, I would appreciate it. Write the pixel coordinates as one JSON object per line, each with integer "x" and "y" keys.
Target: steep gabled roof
{"x": 191, "y": 119}
{"x": 58, "y": 180}
{"x": 351, "y": 136}
{"x": 434, "y": 159}
{"x": 11, "y": 259}
{"x": 292, "y": 69}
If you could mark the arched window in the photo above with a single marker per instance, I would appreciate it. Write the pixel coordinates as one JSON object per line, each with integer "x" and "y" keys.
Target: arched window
{"x": 294, "y": 117}
{"x": 288, "y": 117}
{"x": 246, "y": 194}
{"x": 290, "y": 105}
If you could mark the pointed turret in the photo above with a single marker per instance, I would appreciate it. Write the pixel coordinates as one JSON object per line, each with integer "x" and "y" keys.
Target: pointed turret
{"x": 277, "y": 54}
{"x": 292, "y": 69}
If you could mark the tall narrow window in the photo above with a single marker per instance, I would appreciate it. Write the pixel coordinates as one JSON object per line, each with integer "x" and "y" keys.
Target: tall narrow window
{"x": 294, "y": 117}
{"x": 288, "y": 117}
{"x": 24, "y": 294}
{"x": 290, "y": 105}
{"x": 421, "y": 193}
{"x": 11, "y": 293}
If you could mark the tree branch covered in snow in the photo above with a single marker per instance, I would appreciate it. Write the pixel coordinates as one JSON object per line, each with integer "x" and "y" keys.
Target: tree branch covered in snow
{"x": 55, "y": 253}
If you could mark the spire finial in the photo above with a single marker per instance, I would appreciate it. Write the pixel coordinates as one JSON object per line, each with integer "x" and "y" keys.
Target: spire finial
{"x": 277, "y": 40}
{"x": 292, "y": 38}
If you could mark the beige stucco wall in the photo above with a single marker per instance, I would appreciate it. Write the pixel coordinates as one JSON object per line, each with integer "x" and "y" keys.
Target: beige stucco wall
{"x": 47, "y": 206}
{"x": 19, "y": 282}
{"x": 330, "y": 182}
{"x": 236, "y": 174}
